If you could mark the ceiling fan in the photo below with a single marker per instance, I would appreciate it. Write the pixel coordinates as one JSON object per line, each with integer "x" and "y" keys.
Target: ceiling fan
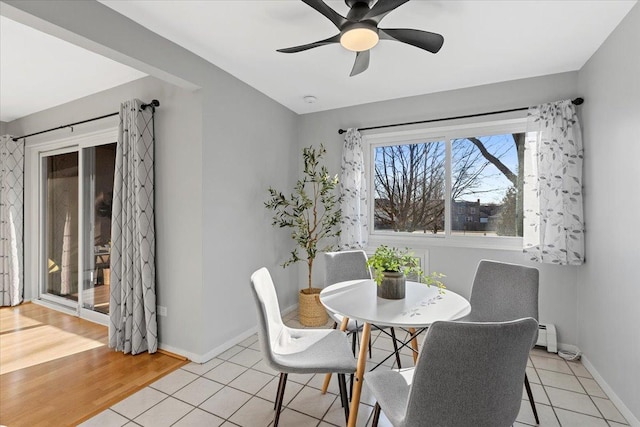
{"x": 359, "y": 30}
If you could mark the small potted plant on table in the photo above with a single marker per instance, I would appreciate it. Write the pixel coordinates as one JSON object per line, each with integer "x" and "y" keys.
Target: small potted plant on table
{"x": 312, "y": 212}
{"x": 390, "y": 267}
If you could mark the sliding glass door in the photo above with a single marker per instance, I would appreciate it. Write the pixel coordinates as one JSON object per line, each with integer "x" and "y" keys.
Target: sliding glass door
{"x": 75, "y": 205}
{"x": 99, "y": 165}
{"x": 61, "y": 203}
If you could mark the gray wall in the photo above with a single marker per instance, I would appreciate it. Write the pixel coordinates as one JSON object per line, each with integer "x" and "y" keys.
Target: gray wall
{"x": 3, "y": 128}
{"x": 249, "y": 143}
{"x": 243, "y": 143}
{"x": 557, "y": 283}
{"x": 609, "y": 282}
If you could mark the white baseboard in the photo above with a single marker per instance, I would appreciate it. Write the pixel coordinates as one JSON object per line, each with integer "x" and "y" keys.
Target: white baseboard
{"x": 203, "y": 358}
{"x": 626, "y": 412}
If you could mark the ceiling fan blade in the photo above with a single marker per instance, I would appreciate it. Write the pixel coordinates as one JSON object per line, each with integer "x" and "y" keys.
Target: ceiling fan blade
{"x": 361, "y": 64}
{"x": 330, "y": 40}
{"x": 382, "y": 8}
{"x": 426, "y": 40}
{"x": 333, "y": 16}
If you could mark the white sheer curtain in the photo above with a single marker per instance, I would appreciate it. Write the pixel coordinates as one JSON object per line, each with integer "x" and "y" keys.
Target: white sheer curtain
{"x": 353, "y": 187}
{"x": 132, "y": 327}
{"x": 553, "y": 210}
{"x": 11, "y": 220}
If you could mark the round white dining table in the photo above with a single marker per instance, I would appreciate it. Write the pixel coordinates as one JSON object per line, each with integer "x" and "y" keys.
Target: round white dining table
{"x": 358, "y": 300}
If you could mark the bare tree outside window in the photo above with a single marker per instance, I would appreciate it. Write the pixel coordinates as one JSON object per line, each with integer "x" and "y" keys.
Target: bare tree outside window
{"x": 409, "y": 187}
{"x": 486, "y": 184}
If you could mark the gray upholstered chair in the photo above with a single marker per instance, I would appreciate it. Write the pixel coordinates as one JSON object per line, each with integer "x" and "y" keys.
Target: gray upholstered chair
{"x": 468, "y": 374}
{"x": 503, "y": 291}
{"x": 351, "y": 265}
{"x": 305, "y": 351}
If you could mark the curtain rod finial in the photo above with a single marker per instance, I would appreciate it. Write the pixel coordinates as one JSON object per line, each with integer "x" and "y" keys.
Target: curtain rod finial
{"x": 153, "y": 104}
{"x": 341, "y": 131}
{"x": 578, "y": 101}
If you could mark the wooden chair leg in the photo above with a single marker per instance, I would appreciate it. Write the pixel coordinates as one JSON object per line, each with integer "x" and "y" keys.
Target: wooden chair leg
{"x": 395, "y": 347}
{"x": 531, "y": 401}
{"x": 279, "y": 398}
{"x": 342, "y": 384}
{"x": 360, "y": 368}
{"x": 414, "y": 345}
{"x": 376, "y": 415}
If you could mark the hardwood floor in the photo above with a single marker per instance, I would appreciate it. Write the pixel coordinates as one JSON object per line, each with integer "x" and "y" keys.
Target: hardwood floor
{"x": 57, "y": 369}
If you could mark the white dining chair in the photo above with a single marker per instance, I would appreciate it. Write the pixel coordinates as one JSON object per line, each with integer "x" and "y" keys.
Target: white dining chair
{"x": 298, "y": 351}
{"x": 468, "y": 374}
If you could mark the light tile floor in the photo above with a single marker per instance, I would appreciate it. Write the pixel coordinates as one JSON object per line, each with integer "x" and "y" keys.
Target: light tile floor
{"x": 238, "y": 389}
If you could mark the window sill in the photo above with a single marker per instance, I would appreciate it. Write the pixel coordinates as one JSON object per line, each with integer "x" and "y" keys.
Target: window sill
{"x": 430, "y": 241}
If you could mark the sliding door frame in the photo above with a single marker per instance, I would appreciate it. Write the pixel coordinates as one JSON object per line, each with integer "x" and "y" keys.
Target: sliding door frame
{"x": 36, "y": 154}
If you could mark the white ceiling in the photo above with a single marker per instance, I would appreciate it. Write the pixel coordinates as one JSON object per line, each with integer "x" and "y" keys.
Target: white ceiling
{"x": 38, "y": 71}
{"x": 485, "y": 42}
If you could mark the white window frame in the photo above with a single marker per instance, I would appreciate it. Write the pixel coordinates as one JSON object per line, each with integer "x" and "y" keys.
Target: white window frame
{"x": 446, "y": 133}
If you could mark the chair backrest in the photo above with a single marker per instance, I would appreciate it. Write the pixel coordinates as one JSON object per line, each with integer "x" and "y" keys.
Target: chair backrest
{"x": 503, "y": 291}
{"x": 270, "y": 325}
{"x": 345, "y": 265}
{"x": 470, "y": 374}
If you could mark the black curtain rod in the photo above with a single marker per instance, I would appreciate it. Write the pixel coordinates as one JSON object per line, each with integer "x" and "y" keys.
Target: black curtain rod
{"x": 153, "y": 104}
{"x": 576, "y": 101}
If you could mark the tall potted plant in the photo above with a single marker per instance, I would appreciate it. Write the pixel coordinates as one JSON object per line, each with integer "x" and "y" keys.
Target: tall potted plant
{"x": 312, "y": 213}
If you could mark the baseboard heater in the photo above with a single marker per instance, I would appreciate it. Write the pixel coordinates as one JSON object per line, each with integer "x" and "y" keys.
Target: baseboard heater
{"x": 547, "y": 337}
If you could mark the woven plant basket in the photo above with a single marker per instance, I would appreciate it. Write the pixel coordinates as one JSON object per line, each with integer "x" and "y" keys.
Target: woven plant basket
{"x": 310, "y": 309}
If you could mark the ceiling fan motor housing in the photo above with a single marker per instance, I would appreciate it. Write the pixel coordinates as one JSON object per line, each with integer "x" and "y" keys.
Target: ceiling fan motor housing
{"x": 351, "y": 3}
{"x": 358, "y": 9}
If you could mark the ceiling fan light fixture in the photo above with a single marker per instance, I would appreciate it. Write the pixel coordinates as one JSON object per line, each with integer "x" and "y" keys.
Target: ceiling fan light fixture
{"x": 359, "y": 38}
{"x": 359, "y": 30}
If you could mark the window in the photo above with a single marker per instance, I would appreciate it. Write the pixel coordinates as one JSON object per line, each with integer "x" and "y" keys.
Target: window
{"x": 465, "y": 182}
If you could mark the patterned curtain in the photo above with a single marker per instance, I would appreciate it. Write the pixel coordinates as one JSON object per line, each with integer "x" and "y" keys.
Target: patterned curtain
{"x": 353, "y": 187}
{"x": 132, "y": 327}
{"x": 11, "y": 220}
{"x": 553, "y": 211}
